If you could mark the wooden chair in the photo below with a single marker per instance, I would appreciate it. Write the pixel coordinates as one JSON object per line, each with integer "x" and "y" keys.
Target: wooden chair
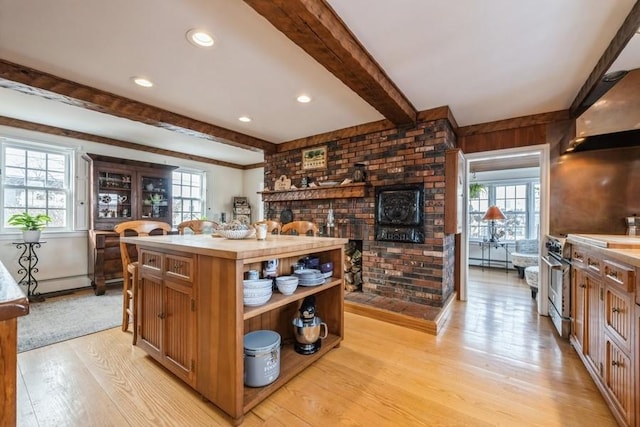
{"x": 300, "y": 228}
{"x": 198, "y": 226}
{"x": 130, "y": 269}
{"x": 273, "y": 227}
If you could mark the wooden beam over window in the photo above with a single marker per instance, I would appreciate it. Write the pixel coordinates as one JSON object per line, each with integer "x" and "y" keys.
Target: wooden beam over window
{"x": 34, "y": 82}
{"x": 317, "y": 29}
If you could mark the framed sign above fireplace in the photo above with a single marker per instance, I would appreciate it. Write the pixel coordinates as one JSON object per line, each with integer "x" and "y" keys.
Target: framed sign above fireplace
{"x": 399, "y": 213}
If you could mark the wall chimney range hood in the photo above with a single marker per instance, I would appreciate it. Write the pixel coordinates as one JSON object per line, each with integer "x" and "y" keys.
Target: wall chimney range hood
{"x": 613, "y": 119}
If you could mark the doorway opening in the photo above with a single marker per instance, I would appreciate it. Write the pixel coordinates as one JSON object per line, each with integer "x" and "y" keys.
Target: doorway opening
{"x": 516, "y": 181}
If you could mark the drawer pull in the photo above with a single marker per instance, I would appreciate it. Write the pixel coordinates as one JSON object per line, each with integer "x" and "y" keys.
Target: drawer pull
{"x": 582, "y": 285}
{"x": 616, "y": 363}
{"x": 162, "y": 315}
{"x": 616, "y": 310}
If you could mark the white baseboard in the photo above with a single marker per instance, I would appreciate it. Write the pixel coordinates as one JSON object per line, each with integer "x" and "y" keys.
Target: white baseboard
{"x": 61, "y": 284}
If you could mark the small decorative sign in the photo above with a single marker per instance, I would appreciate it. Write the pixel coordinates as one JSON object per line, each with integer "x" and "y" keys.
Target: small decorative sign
{"x": 283, "y": 183}
{"x": 314, "y": 158}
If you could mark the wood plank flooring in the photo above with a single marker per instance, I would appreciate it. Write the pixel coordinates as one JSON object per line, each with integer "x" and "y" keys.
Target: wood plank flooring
{"x": 496, "y": 362}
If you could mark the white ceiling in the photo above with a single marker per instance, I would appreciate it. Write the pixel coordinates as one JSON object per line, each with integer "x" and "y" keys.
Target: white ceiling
{"x": 487, "y": 60}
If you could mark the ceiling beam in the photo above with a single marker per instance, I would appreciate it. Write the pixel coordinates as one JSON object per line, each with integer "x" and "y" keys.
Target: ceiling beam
{"x": 617, "y": 44}
{"x": 316, "y": 28}
{"x": 52, "y": 130}
{"x": 34, "y": 82}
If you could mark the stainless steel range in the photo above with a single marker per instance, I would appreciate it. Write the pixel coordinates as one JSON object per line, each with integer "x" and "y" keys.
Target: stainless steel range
{"x": 556, "y": 265}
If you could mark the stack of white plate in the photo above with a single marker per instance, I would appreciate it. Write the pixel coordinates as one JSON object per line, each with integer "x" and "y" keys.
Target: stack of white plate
{"x": 257, "y": 291}
{"x": 309, "y": 277}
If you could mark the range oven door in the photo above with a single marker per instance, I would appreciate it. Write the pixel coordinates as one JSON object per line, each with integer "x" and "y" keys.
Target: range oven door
{"x": 558, "y": 277}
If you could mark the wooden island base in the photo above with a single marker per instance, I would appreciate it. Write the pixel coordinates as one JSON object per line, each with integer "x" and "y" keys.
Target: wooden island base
{"x": 191, "y": 316}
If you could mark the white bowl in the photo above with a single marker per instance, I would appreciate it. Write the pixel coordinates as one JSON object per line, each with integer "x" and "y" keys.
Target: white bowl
{"x": 287, "y": 279}
{"x": 287, "y": 288}
{"x": 257, "y": 292}
{"x": 256, "y": 301}
{"x": 257, "y": 283}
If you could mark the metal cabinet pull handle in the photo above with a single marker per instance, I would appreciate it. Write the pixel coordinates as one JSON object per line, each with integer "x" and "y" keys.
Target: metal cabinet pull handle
{"x": 615, "y": 363}
{"x": 616, "y": 310}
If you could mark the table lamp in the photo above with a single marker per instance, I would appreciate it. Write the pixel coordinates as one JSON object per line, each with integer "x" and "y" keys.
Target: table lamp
{"x": 493, "y": 213}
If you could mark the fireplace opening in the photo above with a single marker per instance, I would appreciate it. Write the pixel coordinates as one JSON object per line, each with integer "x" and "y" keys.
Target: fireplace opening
{"x": 399, "y": 213}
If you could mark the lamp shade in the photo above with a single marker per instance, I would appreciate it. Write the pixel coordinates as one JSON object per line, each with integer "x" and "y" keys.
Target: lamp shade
{"x": 493, "y": 213}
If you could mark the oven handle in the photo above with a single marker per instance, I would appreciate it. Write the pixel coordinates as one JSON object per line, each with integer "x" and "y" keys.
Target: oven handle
{"x": 552, "y": 263}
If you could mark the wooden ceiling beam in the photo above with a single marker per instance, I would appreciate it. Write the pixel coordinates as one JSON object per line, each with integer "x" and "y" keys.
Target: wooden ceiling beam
{"x": 316, "y": 28}
{"x": 617, "y": 44}
{"x": 52, "y": 130}
{"x": 34, "y": 82}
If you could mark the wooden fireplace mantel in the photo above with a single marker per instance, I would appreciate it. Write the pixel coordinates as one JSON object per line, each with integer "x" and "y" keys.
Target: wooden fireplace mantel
{"x": 345, "y": 191}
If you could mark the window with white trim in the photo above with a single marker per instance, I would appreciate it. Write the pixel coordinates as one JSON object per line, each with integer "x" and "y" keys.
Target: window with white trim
{"x": 188, "y": 195}
{"x": 519, "y": 202}
{"x": 36, "y": 178}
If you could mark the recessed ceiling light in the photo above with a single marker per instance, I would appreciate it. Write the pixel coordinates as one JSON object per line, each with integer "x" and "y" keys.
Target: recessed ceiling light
{"x": 244, "y": 119}
{"x": 304, "y": 99}
{"x": 142, "y": 81}
{"x": 200, "y": 38}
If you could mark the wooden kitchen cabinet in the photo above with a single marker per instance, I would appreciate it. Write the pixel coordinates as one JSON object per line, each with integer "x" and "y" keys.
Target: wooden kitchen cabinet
{"x": 192, "y": 318}
{"x": 166, "y": 311}
{"x": 605, "y": 327}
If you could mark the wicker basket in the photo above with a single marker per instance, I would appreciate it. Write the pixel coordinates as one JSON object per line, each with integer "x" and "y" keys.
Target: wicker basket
{"x": 235, "y": 234}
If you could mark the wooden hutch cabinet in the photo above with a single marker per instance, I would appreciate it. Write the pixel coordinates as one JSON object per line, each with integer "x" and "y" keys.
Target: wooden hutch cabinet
{"x": 122, "y": 190}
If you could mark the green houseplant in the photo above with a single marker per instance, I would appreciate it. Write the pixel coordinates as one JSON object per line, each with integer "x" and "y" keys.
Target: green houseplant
{"x": 475, "y": 189}
{"x": 31, "y": 225}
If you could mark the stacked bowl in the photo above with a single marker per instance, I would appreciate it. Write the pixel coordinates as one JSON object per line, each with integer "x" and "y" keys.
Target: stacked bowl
{"x": 257, "y": 291}
{"x": 309, "y": 277}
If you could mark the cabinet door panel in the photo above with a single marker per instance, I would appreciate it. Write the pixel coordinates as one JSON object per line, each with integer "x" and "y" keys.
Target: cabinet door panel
{"x": 150, "y": 314}
{"x": 579, "y": 313}
{"x": 179, "y": 329}
{"x": 618, "y": 378}
{"x": 594, "y": 323}
{"x": 618, "y": 316}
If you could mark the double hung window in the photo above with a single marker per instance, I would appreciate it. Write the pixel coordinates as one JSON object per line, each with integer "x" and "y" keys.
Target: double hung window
{"x": 36, "y": 178}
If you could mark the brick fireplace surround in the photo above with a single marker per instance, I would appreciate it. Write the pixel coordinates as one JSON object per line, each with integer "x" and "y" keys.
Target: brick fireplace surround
{"x": 416, "y": 280}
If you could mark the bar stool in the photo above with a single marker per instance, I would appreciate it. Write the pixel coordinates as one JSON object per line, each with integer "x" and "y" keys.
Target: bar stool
{"x": 130, "y": 269}
{"x": 300, "y": 227}
{"x": 198, "y": 226}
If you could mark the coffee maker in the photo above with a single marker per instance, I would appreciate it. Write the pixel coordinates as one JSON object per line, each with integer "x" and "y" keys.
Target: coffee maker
{"x": 307, "y": 328}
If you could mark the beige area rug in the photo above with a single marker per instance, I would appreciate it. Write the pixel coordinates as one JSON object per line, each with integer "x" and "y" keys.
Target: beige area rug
{"x": 66, "y": 317}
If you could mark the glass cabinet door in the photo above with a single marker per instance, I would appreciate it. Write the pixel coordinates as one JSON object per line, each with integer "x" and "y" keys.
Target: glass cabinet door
{"x": 114, "y": 196}
{"x": 156, "y": 195}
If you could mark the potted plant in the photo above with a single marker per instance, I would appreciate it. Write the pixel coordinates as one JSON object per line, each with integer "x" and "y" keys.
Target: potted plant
{"x": 31, "y": 225}
{"x": 475, "y": 189}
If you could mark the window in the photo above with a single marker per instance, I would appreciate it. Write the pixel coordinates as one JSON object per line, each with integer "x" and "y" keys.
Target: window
{"x": 36, "y": 178}
{"x": 188, "y": 196}
{"x": 520, "y": 203}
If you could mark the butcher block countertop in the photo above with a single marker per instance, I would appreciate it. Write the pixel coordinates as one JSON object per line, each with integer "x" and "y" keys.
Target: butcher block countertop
{"x": 622, "y": 247}
{"x": 204, "y": 244}
{"x": 13, "y": 302}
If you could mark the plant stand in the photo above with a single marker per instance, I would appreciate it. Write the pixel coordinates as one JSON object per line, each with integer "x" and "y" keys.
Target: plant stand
{"x": 27, "y": 261}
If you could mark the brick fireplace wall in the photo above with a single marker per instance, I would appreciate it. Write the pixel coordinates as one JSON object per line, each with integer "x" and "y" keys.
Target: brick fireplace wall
{"x": 420, "y": 273}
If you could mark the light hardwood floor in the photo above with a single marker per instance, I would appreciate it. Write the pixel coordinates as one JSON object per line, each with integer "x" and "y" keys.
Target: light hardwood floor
{"x": 496, "y": 363}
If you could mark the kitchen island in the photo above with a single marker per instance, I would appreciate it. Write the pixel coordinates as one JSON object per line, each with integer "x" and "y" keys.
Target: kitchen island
{"x": 13, "y": 304}
{"x": 191, "y": 316}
